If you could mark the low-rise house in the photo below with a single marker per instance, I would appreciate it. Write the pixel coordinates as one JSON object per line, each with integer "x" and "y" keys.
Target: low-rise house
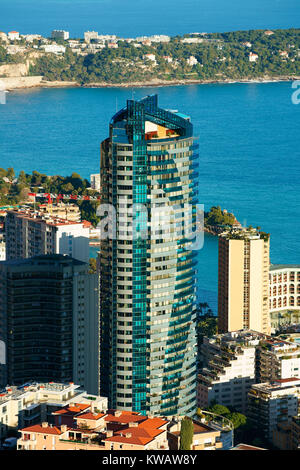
{"x": 94, "y": 430}
{"x": 13, "y": 35}
{"x": 253, "y": 57}
{"x": 191, "y": 61}
{"x": 205, "y": 437}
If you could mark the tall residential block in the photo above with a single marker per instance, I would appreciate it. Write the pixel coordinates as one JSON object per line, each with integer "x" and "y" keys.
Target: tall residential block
{"x": 243, "y": 289}
{"x": 30, "y": 233}
{"x": 49, "y": 321}
{"x": 147, "y": 271}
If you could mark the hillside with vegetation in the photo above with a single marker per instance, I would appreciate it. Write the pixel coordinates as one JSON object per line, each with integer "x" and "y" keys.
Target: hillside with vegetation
{"x": 14, "y": 189}
{"x": 219, "y": 56}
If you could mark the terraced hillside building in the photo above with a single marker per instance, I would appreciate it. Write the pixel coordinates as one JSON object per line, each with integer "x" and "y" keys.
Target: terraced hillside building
{"x": 147, "y": 270}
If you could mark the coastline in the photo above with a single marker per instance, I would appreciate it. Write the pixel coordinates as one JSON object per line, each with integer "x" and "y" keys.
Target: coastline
{"x": 23, "y": 83}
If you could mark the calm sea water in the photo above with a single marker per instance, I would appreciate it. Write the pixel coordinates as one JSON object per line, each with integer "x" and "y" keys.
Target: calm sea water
{"x": 249, "y": 150}
{"x": 130, "y": 18}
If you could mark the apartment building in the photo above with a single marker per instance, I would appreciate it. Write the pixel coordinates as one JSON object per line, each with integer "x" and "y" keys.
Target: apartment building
{"x": 273, "y": 403}
{"x": 243, "y": 281}
{"x": 30, "y": 233}
{"x": 110, "y": 430}
{"x": 70, "y": 212}
{"x": 147, "y": 271}
{"x": 295, "y": 433}
{"x": 229, "y": 369}
{"x": 60, "y": 34}
{"x": 284, "y": 293}
{"x": 277, "y": 359}
{"x": 49, "y": 321}
{"x": 34, "y": 403}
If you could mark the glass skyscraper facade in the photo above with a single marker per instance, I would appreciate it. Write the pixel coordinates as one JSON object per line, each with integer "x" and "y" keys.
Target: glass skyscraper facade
{"x": 147, "y": 264}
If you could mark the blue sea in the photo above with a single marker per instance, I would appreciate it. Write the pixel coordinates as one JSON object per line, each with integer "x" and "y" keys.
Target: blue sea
{"x": 249, "y": 150}
{"x": 131, "y": 18}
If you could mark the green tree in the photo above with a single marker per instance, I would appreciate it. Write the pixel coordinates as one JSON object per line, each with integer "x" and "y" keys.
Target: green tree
{"x": 93, "y": 266}
{"x": 186, "y": 434}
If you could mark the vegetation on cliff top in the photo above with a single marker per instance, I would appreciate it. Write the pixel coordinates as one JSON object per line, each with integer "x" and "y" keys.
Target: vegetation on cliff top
{"x": 220, "y": 56}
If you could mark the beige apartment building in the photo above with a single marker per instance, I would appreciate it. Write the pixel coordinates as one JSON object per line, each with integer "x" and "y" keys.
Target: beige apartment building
{"x": 70, "y": 212}
{"x": 243, "y": 287}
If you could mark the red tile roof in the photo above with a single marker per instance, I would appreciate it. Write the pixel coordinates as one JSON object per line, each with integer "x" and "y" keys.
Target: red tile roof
{"x": 126, "y": 417}
{"x": 71, "y": 410}
{"x": 144, "y": 433}
{"x": 39, "y": 429}
{"x": 90, "y": 415}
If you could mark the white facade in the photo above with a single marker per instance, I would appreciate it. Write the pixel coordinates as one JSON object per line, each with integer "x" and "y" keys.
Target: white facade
{"x": 30, "y": 234}
{"x": 273, "y": 403}
{"x": 2, "y": 249}
{"x": 88, "y": 35}
{"x": 150, "y": 57}
{"x": 278, "y": 359}
{"x": 73, "y": 240}
{"x": 13, "y": 35}
{"x": 229, "y": 369}
{"x": 54, "y": 48}
{"x": 253, "y": 57}
{"x": 284, "y": 287}
{"x": 23, "y": 406}
{"x": 60, "y": 34}
{"x": 95, "y": 181}
{"x": 192, "y": 61}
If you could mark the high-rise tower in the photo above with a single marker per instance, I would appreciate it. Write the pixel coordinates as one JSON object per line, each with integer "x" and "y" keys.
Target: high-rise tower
{"x": 243, "y": 294}
{"x": 147, "y": 269}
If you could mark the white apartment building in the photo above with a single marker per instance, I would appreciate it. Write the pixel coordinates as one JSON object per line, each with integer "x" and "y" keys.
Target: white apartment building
{"x": 277, "y": 359}
{"x": 284, "y": 291}
{"x": 30, "y": 233}
{"x": 229, "y": 369}
{"x": 88, "y": 35}
{"x": 95, "y": 181}
{"x": 60, "y": 34}
{"x": 273, "y": 403}
{"x": 33, "y": 403}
